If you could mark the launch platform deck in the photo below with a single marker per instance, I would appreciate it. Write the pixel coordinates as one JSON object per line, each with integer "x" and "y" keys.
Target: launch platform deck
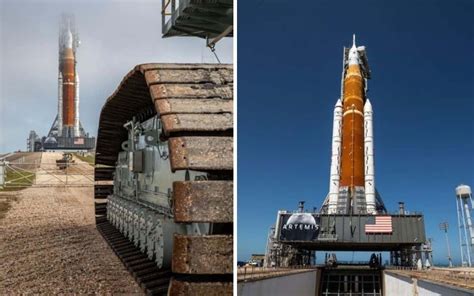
{"x": 355, "y": 280}
{"x": 348, "y": 232}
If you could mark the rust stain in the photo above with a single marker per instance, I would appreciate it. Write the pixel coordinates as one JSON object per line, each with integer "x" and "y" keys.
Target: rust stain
{"x": 203, "y": 201}
{"x": 209, "y": 254}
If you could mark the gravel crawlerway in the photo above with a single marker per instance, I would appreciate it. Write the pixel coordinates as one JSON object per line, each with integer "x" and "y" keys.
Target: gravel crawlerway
{"x": 49, "y": 243}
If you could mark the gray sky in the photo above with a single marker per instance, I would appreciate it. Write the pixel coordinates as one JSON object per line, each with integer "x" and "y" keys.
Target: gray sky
{"x": 115, "y": 36}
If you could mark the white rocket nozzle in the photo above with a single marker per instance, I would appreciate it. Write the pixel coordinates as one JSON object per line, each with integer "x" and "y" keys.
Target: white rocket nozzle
{"x": 69, "y": 39}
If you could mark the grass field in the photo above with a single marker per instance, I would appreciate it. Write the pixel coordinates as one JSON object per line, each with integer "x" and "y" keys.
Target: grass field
{"x": 16, "y": 180}
{"x": 89, "y": 158}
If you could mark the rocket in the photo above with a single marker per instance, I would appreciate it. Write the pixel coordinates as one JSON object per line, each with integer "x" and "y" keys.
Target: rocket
{"x": 66, "y": 130}
{"x": 68, "y": 89}
{"x": 352, "y": 182}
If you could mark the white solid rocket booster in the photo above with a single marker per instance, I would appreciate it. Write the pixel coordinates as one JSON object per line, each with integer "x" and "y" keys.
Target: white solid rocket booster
{"x": 369, "y": 158}
{"x": 60, "y": 104}
{"x": 76, "y": 103}
{"x": 335, "y": 158}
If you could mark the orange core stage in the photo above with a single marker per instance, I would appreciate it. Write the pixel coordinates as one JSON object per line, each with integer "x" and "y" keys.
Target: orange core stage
{"x": 352, "y": 156}
{"x": 69, "y": 88}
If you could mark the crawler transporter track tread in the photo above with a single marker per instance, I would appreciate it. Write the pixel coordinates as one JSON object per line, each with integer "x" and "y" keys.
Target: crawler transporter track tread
{"x": 194, "y": 103}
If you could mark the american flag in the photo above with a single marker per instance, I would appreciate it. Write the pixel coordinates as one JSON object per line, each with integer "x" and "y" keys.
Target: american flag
{"x": 383, "y": 224}
{"x": 79, "y": 141}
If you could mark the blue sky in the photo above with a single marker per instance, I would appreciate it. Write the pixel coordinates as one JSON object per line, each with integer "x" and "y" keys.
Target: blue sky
{"x": 422, "y": 92}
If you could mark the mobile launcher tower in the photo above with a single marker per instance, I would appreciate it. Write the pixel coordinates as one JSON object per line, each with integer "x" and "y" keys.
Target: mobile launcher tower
{"x": 353, "y": 216}
{"x": 66, "y": 132}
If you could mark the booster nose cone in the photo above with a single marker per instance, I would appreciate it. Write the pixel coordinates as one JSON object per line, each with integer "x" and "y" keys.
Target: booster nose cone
{"x": 353, "y": 53}
{"x": 69, "y": 39}
{"x": 338, "y": 104}
{"x": 367, "y": 106}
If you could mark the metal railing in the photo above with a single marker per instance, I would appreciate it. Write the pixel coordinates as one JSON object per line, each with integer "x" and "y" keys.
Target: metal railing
{"x": 18, "y": 170}
{"x": 451, "y": 276}
{"x": 393, "y": 267}
{"x": 391, "y": 213}
{"x": 19, "y": 175}
{"x": 250, "y": 273}
{"x": 168, "y": 7}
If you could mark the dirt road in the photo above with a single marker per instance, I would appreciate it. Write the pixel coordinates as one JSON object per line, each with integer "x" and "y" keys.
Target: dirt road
{"x": 49, "y": 244}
